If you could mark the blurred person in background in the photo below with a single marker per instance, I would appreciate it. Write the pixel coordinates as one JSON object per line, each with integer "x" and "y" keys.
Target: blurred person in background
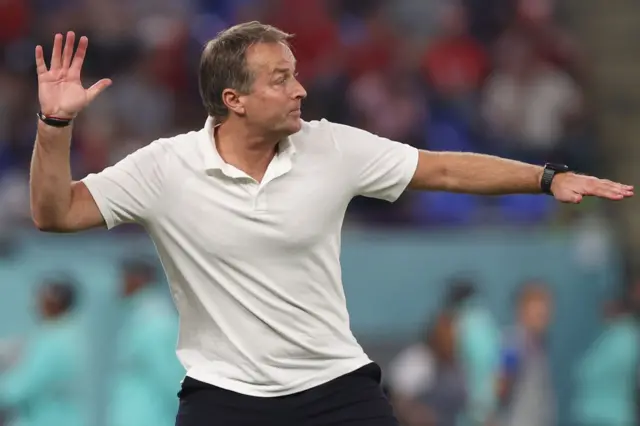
{"x": 525, "y": 385}
{"x": 147, "y": 373}
{"x": 455, "y": 66}
{"x": 44, "y": 388}
{"x": 529, "y": 104}
{"x": 606, "y": 377}
{"x": 478, "y": 349}
{"x": 426, "y": 380}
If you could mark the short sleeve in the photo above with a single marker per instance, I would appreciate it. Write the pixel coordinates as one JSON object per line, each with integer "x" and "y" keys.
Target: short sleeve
{"x": 128, "y": 191}
{"x": 377, "y": 167}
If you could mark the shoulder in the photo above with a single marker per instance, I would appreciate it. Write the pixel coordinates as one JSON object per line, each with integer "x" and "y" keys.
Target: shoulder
{"x": 341, "y": 138}
{"x": 624, "y": 333}
{"x": 182, "y": 146}
{"x": 164, "y": 154}
{"x": 325, "y": 129}
{"x": 312, "y": 132}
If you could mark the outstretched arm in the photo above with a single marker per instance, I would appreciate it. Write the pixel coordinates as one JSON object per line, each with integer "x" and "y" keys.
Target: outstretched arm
{"x": 489, "y": 175}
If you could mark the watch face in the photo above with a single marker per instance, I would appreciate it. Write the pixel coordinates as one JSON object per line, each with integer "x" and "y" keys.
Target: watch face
{"x": 557, "y": 167}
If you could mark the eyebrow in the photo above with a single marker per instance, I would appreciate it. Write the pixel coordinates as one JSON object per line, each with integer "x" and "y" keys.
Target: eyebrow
{"x": 285, "y": 69}
{"x": 280, "y": 70}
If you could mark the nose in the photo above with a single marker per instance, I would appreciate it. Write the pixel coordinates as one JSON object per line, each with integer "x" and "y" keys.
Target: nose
{"x": 299, "y": 91}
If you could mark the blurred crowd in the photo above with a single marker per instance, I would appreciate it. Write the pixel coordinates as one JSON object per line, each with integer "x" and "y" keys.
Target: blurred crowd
{"x": 45, "y": 379}
{"x": 491, "y": 76}
{"x": 467, "y": 370}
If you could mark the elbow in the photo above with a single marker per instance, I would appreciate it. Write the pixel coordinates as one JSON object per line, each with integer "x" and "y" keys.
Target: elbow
{"x": 43, "y": 226}
{"x": 46, "y": 225}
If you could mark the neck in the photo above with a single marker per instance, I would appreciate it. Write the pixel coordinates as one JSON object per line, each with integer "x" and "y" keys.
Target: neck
{"x": 244, "y": 148}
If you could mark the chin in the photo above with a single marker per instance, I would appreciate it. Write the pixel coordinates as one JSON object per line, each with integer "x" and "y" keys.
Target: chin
{"x": 292, "y": 126}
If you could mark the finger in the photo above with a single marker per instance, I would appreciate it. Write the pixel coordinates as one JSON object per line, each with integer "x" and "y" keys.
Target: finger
{"x": 67, "y": 53}
{"x": 97, "y": 88}
{"x": 574, "y": 198}
{"x": 604, "y": 190}
{"x": 56, "y": 53}
{"x": 622, "y": 189}
{"x": 619, "y": 186}
{"x": 41, "y": 67}
{"x": 78, "y": 59}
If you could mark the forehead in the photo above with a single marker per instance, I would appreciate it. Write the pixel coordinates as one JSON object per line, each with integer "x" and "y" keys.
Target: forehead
{"x": 536, "y": 297}
{"x": 270, "y": 56}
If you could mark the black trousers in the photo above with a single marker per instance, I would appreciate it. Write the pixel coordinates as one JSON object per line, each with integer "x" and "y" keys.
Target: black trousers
{"x": 355, "y": 399}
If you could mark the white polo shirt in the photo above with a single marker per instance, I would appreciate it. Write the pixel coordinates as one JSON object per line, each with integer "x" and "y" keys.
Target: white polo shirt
{"x": 254, "y": 267}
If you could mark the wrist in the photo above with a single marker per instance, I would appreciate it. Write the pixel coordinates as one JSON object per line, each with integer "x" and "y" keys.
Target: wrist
{"x": 539, "y": 176}
{"x": 55, "y": 120}
{"x": 551, "y": 174}
{"x": 46, "y": 133}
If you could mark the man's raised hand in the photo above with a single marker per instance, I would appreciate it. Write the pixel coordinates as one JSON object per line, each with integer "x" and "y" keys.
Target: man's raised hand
{"x": 60, "y": 90}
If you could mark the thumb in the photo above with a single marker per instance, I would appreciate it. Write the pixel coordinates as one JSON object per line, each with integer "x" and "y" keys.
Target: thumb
{"x": 97, "y": 88}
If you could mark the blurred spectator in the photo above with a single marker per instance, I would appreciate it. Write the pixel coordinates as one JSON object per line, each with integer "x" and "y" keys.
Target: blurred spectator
{"x": 536, "y": 19}
{"x": 455, "y": 64}
{"x": 372, "y": 46}
{"x": 316, "y": 40}
{"x": 44, "y": 387}
{"x": 528, "y": 103}
{"x": 607, "y": 375}
{"x": 426, "y": 381}
{"x": 489, "y": 18}
{"x": 389, "y": 101}
{"x": 525, "y": 385}
{"x": 478, "y": 343}
{"x": 419, "y": 19}
{"x": 148, "y": 373}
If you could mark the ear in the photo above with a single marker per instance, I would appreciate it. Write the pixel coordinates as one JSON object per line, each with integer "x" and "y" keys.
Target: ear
{"x": 233, "y": 100}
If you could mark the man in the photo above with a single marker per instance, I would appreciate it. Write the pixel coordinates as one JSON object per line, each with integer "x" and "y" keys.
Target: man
{"x": 525, "y": 385}
{"x": 44, "y": 387}
{"x": 246, "y": 216}
{"x": 606, "y": 376}
{"x": 478, "y": 347}
{"x": 147, "y": 373}
{"x": 427, "y": 384}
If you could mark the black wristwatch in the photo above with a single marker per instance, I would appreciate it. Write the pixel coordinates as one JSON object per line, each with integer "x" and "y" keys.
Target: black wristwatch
{"x": 549, "y": 172}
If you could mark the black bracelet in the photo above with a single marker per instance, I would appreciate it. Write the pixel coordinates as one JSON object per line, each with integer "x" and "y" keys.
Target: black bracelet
{"x": 53, "y": 121}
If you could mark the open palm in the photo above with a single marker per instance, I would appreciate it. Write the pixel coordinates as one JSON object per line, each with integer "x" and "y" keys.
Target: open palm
{"x": 60, "y": 90}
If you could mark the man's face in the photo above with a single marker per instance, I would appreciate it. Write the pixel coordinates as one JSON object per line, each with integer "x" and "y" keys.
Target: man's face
{"x": 536, "y": 313}
{"x": 273, "y": 104}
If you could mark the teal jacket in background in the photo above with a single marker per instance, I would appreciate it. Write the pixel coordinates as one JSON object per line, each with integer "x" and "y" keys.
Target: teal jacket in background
{"x": 606, "y": 377}
{"x": 147, "y": 373}
{"x": 45, "y": 387}
{"x": 479, "y": 342}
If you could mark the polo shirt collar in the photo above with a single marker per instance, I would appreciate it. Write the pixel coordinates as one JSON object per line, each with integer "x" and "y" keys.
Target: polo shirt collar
{"x": 213, "y": 160}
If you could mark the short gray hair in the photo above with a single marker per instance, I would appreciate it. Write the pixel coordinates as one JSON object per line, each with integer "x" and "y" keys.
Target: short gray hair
{"x": 223, "y": 64}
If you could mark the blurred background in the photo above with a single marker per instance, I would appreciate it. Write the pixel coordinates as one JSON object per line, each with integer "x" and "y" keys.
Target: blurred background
{"x": 482, "y": 310}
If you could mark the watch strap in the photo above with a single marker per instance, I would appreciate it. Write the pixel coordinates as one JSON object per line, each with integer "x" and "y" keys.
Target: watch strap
{"x": 54, "y": 121}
